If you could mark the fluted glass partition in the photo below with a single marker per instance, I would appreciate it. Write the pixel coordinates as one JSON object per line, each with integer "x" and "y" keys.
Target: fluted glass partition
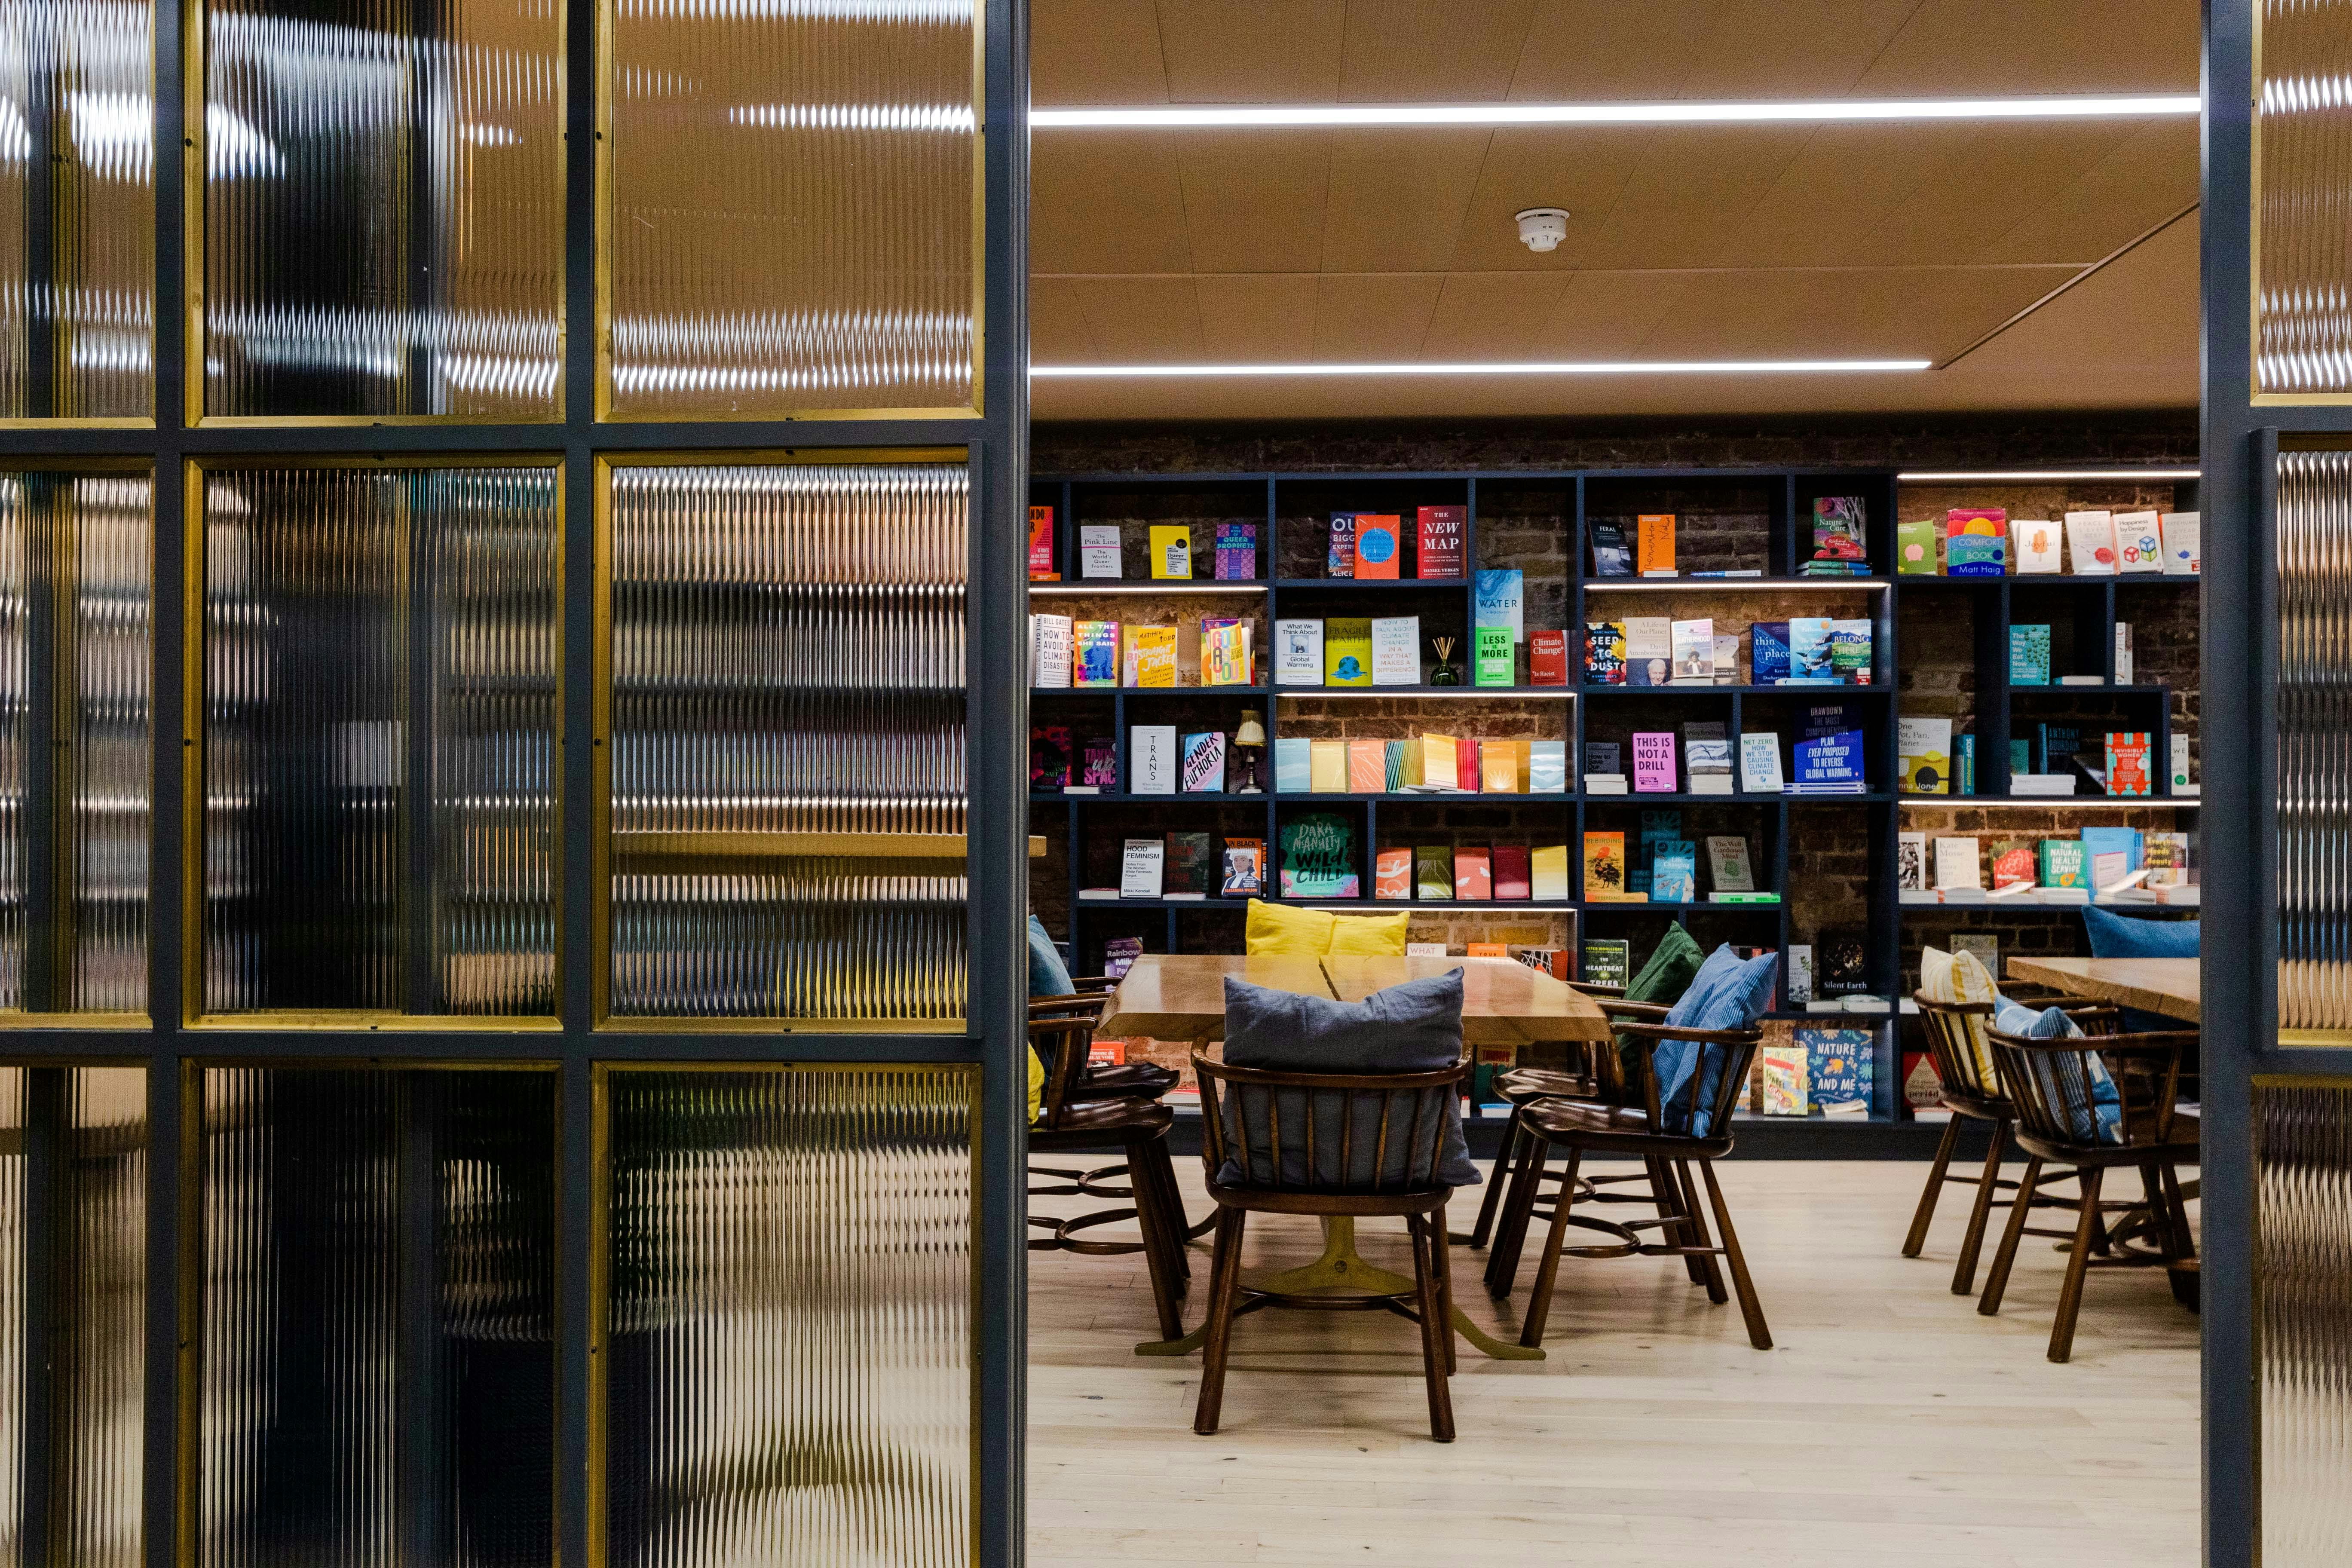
{"x": 793, "y": 217}
{"x": 76, "y": 210}
{"x": 75, "y": 635}
{"x": 377, "y": 639}
{"x": 787, "y": 739}
{"x": 2302, "y": 231}
{"x": 377, "y": 1382}
{"x": 2315, "y": 739}
{"x": 383, "y": 209}
{"x": 787, "y": 1357}
{"x": 73, "y": 1315}
{"x": 2303, "y": 1144}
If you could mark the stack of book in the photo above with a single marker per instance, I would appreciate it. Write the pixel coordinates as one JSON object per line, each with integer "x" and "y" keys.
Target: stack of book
{"x": 1420, "y": 764}
{"x": 1840, "y": 542}
{"x": 1471, "y": 873}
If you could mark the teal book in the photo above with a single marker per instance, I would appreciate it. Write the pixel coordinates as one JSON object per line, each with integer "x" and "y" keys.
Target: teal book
{"x": 1318, "y": 857}
{"x": 1293, "y": 764}
{"x": 2063, "y": 864}
{"x": 2029, "y": 655}
{"x": 1674, "y": 874}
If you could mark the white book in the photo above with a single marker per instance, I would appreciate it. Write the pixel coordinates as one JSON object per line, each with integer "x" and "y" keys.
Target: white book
{"x": 1604, "y": 784}
{"x": 1151, "y": 758}
{"x": 1911, "y": 862}
{"x": 1425, "y": 950}
{"x": 1298, "y": 653}
{"x": 1142, "y": 868}
{"x": 2041, "y": 783}
{"x": 2091, "y": 542}
{"x": 2041, "y": 546}
{"x": 1957, "y": 864}
{"x": 1546, "y": 767}
{"x": 2183, "y": 543}
{"x": 1759, "y": 763}
{"x": 2180, "y": 764}
{"x": 1727, "y": 659}
{"x": 2123, "y": 653}
{"x": 2081, "y": 681}
{"x": 1800, "y": 988}
{"x": 1049, "y": 650}
{"x": 1727, "y": 855}
{"x": 1710, "y": 784}
{"x": 1396, "y": 651}
{"x": 1098, "y": 550}
{"x": 1693, "y": 648}
{"x": 2139, "y": 541}
{"x": 1918, "y": 740}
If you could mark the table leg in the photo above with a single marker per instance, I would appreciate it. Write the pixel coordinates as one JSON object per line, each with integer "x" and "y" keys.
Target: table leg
{"x": 1342, "y": 1271}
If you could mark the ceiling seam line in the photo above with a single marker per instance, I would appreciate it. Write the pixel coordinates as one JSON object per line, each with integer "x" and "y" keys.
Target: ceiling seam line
{"x": 2126, "y": 249}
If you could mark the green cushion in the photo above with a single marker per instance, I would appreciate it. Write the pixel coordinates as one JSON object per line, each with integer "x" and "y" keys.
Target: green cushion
{"x": 1673, "y": 965}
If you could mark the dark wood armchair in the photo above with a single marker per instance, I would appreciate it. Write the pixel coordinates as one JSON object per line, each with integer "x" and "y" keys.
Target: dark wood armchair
{"x": 2054, "y": 1085}
{"x": 1636, "y": 1130}
{"x": 1331, "y": 1145}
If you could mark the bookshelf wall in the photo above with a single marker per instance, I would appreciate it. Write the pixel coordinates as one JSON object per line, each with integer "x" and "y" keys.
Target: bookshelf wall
{"x": 1940, "y": 647}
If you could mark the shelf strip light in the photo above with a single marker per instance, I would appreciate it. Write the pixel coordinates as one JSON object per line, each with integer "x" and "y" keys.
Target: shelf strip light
{"x": 1800, "y": 111}
{"x": 1980, "y": 476}
{"x": 1531, "y": 367}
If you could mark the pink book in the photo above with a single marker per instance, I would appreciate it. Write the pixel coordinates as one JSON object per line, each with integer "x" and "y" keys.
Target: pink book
{"x": 1653, "y": 763}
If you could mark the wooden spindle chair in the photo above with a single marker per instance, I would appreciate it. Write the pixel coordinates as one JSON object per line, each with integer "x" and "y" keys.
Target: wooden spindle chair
{"x": 1638, "y": 1131}
{"x": 1958, "y": 1037}
{"x": 1329, "y": 1144}
{"x": 1061, "y": 1031}
{"x": 2051, "y": 1085}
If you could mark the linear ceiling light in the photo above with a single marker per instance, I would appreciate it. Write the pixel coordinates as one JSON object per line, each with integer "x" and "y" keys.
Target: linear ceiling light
{"x": 1668, "y": 112}
{"x": 2041, "y": 475}
{"x": 1565, "y": 367}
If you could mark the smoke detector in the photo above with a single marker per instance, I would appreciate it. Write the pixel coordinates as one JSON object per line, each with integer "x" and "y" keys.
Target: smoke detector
{"x": 1542, "y": 228}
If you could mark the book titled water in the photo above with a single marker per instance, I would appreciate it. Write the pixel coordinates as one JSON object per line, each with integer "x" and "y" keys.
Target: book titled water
{"x": 1502, "y": 602}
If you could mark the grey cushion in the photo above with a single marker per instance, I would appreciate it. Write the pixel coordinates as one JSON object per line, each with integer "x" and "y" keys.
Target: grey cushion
{"x": 1413, "y": 1027}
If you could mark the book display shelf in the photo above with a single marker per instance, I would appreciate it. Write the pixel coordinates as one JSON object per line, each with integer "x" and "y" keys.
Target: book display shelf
{"x": 1939, "y": 646}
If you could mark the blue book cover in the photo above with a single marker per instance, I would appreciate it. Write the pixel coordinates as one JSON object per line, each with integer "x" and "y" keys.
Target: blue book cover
{"x": 1831, "y": 719}
{"x": 1966, "y": 764}
{"x": 1808, "y": 650}
{"x": 2053, "y": 744}
{"x": 1768, "y": 644}
{"x": 1831, "y": 762}
{"x": 2029, "y": 655}
{"x": 2020, "y": 756}
{"x": 2099, "y": 841}
{"x": 1673, "y": 875}
{"x": 1838, "y": 1062}
{"x": 1502, "y": 602}
{"x": 1658, "y": 828}
{"x": 1293, "y": 758}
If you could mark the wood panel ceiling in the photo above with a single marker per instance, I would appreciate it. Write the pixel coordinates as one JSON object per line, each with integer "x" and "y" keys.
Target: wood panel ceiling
{"x": 1687, "y": 242}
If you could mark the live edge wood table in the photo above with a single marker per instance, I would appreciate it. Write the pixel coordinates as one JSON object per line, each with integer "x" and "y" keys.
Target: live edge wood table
{"x": 1181, "y": 996}
{"x": 2165, "y": 985}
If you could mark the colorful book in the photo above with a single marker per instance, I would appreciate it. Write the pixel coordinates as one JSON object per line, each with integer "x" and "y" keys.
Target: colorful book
{"x": 1498, "y": 768}
{"x": 1914, "y": 549}
{"x": 1474, "y": 873}
{"x": 1236, "y": 552}
{"x": 1225, "y": 653}
{"x": 1838, "y": 1069}
{"x": 1694, "y": 655}
{"x": 1298, "y": 653}
{"x": 1513, "y": 876}
{"x": 1607, "y": 961}
{"x": 2063, "y": 864}
{"x": 1674, "y": 873}
{"x": 1041, "y": 544}
{"x": 1396, "y": 650}
{"x": 2041, "y": 546}
{"x": 1925, "y": 747}
{"x": 1852, "y": 660}
{"x": 1976, "y": 542}
{"x": 1429, "y": 763}
{"x": 1151, "y": 656}
{"x": 1604, "y": 868}
{"x": 1654, "y": 548}
{"x": 1768, "y": 652}
{"x": 1204, "y": 767}
{"x": 1245, "y": 869}
{"x": 1318, "y": 857}
{"x": 1654, "y": 761}
{"x": 1433, "y": 872}
{"x": 1830, "y": 764}
{"x": 1547, "y": 658}
{"x": 2029, "y": 655}
{"x": 1094, "y": 658}
{"x": 1099, "y": 550}
{"x": 1347, "y": 651}
{"x": 1782, "y": 1086}
{"x": 1466, "y": 752}
{"x": 1172, "y": 551}
{"x": 1547, "y": 766}
{"x": 1604, "y": 653}
{"x": 1378, "y": 550}
{"x": 1368, "y": 767}
{"x": 1442, "y": 530}
{"x": 1809, "y": 659}
{"x": 2014, "y": 863}
{"x": 2139, "y": 542}
{"x": 1049, "y": 758}
{"x": 1502, "y": 602}
{"x": 1342, "y": 560}
{"x": 1548, "y": 872}
{"x": 1497, "y": 661}
{"x": 2127, "y": 762}
{"x": 1840, "y": 525}
{"x": 1393, "y": 874}
{"x": 1101, "y": 764}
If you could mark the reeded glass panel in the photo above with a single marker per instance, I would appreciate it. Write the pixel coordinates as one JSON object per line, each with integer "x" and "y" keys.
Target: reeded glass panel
{"x": 377, "y": 639}
{"x": 76, "y": 210}
{"x": 2304, "y": 211}
{"x": 378, "y": 1376}
{"x": 2302, "y": 1264}
{"x": 75, "y": 753}
{"x": 383, "y": 218}
{"x": 2315, "y": 739}
{"x": 787, "y": 706}
{"x": 73, "y": 1300}
{"x": 792, "y": 207}
{"x": 788, "y": 1362}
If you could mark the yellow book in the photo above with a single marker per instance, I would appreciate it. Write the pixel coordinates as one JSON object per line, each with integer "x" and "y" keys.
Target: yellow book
{"x": 1172, "y": 551}
{"x": 1347, "y": 651}
{"x": 1225, "y": 655}
{"x": 1152, "y": 655}
{"x": 1547, "y": 869}
{"x": 1437, "y": 765}
{"x": 1498, "y": 768}
{"x": 1326, "y": 767}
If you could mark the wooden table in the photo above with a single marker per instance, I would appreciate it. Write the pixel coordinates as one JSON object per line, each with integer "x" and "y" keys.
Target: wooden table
{"x": 1181, "y": 996}
{"x": 2165, "y": 985}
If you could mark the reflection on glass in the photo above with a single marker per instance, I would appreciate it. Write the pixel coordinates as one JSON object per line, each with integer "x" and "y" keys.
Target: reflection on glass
{"x": 2305, "y": 217}
{"x": 76, "y": 210}
{"x": 75, "y": 757}
{"x": 2303, "y": 1268}
{"x": 374, "y": 639}
{"x": 383, "y": 215}
{"x": 792, "y": 220}
{"x": 378, "y": 1305}
{"x": 2315, "y": 717}
{"x": 788, "y": 1364}
{"x": 73, "y": 1357}
{"x": 787, "y": 659}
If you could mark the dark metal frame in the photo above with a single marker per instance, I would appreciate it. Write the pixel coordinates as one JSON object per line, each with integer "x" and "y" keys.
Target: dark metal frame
{"x": 995, "y": 1032}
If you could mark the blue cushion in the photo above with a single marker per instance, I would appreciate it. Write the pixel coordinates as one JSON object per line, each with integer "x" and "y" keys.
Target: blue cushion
{"x": 1048, "y": 975}
{"x": 2121, "y": 936}
{"x": 1728, "y": 992}
{"x": 1413, "y": 1027}
{"x": 2105, "y": 1123}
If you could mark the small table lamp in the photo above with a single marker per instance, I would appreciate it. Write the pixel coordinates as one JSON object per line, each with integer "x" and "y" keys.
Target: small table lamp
{"x": 1249, "y": 753}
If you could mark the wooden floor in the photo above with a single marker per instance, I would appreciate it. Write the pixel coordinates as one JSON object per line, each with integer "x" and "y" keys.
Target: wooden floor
{"x": 1891, "y": 1425}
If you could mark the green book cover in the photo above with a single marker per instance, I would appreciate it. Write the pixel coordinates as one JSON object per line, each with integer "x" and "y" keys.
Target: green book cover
{"x": 1914, "y": 549}
{"x": 2029, "y": 655}
{"x": 1608, "y": 963}
{"x": 1347, "y": 650}
{"x": 2063, "y": 864}
{"x": 1318, "y": 857}
{"x": 1433, "y": 871}
{"x": 1495, "y": 655}
{"x": 1392, "y": 762}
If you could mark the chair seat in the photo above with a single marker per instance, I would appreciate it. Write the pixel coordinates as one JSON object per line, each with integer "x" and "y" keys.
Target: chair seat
{"x": 1129, "y": 1080}
{"x": 2180, "y": 1148}
{"x": 1521, "y": 1085}
{"x": 1617, "y": 1129}
{"x": 1291, "y": 1200}
{"x": 1088, "y": 1125}
{"x": 1984, "y": 1108}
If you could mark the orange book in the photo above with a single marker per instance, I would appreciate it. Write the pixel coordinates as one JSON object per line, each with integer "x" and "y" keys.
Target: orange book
{"x": 1378, "y": 544}
{"x": 1393, "y": 874}
{"x": 1107, "y": 1054}
{"x": 1654, "y": 543}
{"x": 1472, "y": 873}
{"x": 1368, "y": 766}
{"x": 1487, "y": 949}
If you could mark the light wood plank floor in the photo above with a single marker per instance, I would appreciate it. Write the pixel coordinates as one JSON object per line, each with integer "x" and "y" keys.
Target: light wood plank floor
{"x": 1892, "y": 1423}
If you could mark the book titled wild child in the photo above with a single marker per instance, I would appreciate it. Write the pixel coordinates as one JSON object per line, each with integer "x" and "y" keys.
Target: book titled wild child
{"x": 1318, "y": 857}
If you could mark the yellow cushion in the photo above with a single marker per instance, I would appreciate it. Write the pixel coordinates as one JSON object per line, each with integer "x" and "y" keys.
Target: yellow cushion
{"x": 1376, "y": 936}
{"x": 1962, "y": 977}
{"x": 1036, "y": 1085}
{"x": 1278, "y": 929}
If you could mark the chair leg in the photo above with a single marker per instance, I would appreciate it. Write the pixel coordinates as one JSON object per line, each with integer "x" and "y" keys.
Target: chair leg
{"x": 1490, "y": 1203}
{"x": 1997, "y": 1282}
{"x": 1444, "y": 1284}
{"x": 1964, "y": 1272}
{"x": 1548, "y": 1275}
{"x": 1666, "y": 1193}
{"x": 1175, "y": 1222}
{"x": 1710, "y": 1271}
{"x": 2186, "y": 1287}
{"x": 1926, "y": 1212}
{"x": 1226, "y": 1275}
{"x": 2078, "y": 1262}
{"x": 1160, "y": 1249}
{"x": 1758, "y": 1335}
{"x": 1429, "y": 1243}
{"x": 1510, "y": 1237}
